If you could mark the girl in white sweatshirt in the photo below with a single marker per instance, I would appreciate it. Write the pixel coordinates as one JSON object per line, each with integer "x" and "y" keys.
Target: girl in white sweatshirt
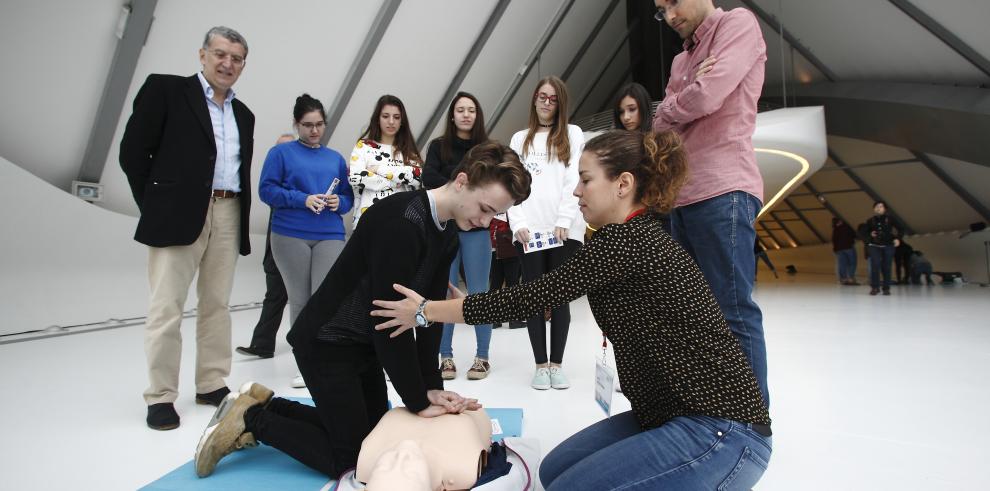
{"x": 550, "y": 149}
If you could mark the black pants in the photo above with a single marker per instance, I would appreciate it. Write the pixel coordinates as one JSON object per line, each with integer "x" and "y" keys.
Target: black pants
{"x": 902, "y": 264}
{"x": 534, "y": 265}
{"x": 348, "y": 386}
{"x": 272, "y": 307}
{"x": 504, "y": 271}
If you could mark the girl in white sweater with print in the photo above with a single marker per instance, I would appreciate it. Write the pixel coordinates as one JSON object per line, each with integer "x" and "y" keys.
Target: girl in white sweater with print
{"x": 385, "y": 160}
{"x": 549, "y": 219}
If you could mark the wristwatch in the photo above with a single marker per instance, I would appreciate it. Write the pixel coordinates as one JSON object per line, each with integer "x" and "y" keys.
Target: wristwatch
{"x": 421, "y": 320}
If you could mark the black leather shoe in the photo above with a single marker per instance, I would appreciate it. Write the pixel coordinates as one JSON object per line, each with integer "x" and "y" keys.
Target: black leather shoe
{"x": 213, "y": 398}
{"x": 252, "y": 351}
{"x": 162, "y": 416}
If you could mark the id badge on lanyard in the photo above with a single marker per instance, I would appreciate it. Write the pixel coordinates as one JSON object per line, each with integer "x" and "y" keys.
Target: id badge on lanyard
{"x": 604, "y": 381}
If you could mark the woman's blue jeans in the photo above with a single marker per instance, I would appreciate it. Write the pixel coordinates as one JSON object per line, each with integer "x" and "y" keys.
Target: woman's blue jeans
{"x": 476, "y": 254}
{"x": 718, "y": 233}
{"x": 687, "y": 452}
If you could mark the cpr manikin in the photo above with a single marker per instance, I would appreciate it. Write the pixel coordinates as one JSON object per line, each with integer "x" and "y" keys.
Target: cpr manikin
{"x": 409, "y": 452}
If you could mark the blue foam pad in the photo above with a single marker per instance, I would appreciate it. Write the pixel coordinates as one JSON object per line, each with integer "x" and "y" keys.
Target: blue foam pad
{"x": 265, "y": 467}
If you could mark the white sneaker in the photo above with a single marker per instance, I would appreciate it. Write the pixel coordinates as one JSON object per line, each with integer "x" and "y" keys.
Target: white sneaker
{"x": 298, "y": 382}
{"x": 557, "y": 378}
{"x": 541, "y": 380}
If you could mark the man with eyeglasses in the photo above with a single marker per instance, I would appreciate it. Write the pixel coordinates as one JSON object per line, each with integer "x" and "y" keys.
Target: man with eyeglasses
{"x": 711, "y": 102}
{"x": 186, "y": 152}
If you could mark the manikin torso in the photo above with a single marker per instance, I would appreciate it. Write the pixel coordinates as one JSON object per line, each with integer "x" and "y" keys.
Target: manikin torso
{"x": 409, "y": 452}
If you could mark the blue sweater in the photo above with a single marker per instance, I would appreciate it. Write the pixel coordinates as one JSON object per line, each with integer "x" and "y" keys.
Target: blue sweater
{"x": 294, "y": 171}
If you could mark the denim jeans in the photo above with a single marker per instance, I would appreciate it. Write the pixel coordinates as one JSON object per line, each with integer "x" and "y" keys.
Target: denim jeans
{"x": 476, "y": 254}
{"x": 687, "y": 452}
{"x": 880, "y": 258}
{"x": 718, "y": 233}
{"x": 846, "y": 264}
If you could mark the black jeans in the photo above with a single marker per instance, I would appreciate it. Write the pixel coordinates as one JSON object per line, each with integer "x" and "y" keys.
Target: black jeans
{"x": 504, "y": 271}
{"x": 348, "y": 387}
{"x": 272, "y": 307}
{"x": 534, "y": 265}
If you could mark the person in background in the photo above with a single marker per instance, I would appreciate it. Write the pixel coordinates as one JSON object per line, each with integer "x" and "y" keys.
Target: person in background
{"x": 710, "y": 101}
{"x": 263, "y": 339}
{"x": 464, "y": 129}
{"x": 506, "y": 268}
{"x": 307, "y": 218}
{"x": 550, "y": 149}
{"x": 186, "y": 152}
{"x": 632, "y": 109}
{"x": 883, "y": 237}
{"x": 384, "y": 160}
{"x": 698, "y": 419}
{"x": 844, "y": 248}
{"x": 920, "y": 266}
{"x": 902, "y": 262}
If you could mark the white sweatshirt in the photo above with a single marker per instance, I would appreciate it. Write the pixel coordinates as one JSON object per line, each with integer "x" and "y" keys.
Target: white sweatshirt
{"x": 551, "y": 202}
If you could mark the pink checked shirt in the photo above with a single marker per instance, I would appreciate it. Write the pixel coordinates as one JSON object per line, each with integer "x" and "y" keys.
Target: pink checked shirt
{"x": 716, "y": 114}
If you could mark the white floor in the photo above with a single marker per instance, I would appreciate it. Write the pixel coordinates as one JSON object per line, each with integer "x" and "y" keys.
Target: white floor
{"x": 867, "y": 393}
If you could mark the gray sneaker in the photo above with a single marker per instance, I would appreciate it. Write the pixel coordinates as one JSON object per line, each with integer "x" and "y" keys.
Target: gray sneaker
{"x": 557, "y": 378}
{"x": 541, "y": 380}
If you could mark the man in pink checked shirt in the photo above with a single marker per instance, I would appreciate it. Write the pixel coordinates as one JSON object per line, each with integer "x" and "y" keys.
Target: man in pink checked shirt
{"x": 711, "y": 102}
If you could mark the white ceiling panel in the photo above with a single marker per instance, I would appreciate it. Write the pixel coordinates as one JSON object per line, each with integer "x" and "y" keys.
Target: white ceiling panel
{"x": 56, "y": 54}
{"x": 967, "y": 19}
{"x": 872, "y": 40}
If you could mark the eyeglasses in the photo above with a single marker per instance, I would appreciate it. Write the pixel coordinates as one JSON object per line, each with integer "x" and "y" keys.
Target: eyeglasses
{"x": 236, "y": 60}
{"x": 311, "y": 126}
{"x": 547, "y": 99}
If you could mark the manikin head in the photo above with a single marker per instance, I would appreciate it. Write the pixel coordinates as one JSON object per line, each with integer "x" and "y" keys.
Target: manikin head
{"x": 405, "y": 452}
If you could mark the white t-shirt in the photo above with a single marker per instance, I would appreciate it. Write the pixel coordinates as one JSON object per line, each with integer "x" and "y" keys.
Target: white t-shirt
{"x": 551, "y": 201}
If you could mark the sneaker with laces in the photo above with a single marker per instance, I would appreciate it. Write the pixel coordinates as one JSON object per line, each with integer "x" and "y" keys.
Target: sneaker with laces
{"x": 541, "y": 380}
{"x": 448, "y": 371}
{"x": 479, "y": 370}
{"x": 557, "y": 378}
{"x": 223, "y": 433}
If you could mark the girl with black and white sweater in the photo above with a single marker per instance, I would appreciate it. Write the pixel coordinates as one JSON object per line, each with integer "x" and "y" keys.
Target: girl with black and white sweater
{"x": 385, "y": 160}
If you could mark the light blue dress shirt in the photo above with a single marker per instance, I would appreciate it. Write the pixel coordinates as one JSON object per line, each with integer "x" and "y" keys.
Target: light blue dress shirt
{"x": 227, "y": 139}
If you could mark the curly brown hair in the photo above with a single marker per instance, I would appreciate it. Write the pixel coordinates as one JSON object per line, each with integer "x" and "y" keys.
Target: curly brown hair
{"x": 657, "y": 161}
{"x": 492, "y": 161}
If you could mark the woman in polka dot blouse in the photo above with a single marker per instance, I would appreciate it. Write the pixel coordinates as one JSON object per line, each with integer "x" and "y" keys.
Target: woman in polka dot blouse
{"x": 698, "y": 420}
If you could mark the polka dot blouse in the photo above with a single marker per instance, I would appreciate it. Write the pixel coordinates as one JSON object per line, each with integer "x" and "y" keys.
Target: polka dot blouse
{"x": 673, "y": 349}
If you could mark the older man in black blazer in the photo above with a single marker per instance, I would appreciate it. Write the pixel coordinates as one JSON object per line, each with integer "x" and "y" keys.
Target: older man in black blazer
{"x": 186, "y": 152}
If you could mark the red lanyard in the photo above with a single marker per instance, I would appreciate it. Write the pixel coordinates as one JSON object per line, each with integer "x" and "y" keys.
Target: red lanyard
{"x": 635, "y": 214}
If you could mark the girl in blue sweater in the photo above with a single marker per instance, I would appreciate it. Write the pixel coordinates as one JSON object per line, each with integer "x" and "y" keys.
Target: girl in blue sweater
{"x": 307, "y": 218}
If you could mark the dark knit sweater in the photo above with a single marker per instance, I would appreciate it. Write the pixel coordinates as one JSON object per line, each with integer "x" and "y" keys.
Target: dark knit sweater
{"x": 674, "y": 352}
{"x": 396, "y": 241}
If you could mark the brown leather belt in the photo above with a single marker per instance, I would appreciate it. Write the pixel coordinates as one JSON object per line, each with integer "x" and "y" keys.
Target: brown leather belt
{"x": 223, "y": 193}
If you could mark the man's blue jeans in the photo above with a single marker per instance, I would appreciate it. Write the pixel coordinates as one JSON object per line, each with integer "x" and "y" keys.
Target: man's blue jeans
{"x": 880, "y": 258}
{"x": 687, "y": 452}
{"x": 846, "y": 260}
{"x": 718, "y": 233}
{"x": 476, "y": 254}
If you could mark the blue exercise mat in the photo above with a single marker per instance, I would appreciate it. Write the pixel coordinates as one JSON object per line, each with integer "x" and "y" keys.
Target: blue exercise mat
{"x": 265, "y": 467}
